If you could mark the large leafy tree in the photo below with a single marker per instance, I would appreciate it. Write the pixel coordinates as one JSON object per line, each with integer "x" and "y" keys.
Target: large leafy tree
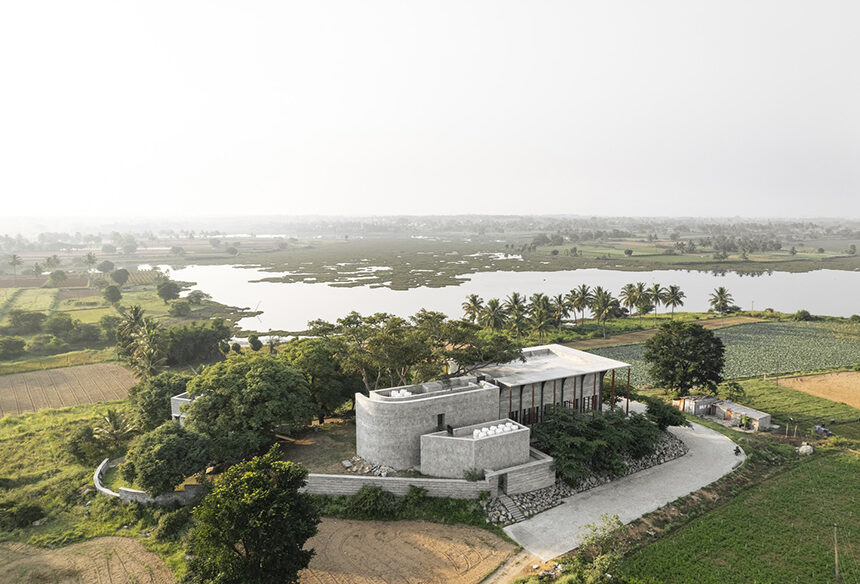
{"x": 160, "y": 460}
{"x": 150, "y": 399}
{"x": 682, "y": 356}
{"x": 470, "y": 348}
{"x": 253, "y": 527}
{"x": 167, "y": 290}
{"x": 240, "y": 403}
{"x": 329, "y": 384}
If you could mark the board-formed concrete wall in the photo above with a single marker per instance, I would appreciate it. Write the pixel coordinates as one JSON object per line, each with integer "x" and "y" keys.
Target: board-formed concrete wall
{"x": 538, "y": 473}
{"x": 187, "y": 496}
{"x": 333, "y": 484}
{"x": 451, "y": 456}
{"x": 388, "y": 431}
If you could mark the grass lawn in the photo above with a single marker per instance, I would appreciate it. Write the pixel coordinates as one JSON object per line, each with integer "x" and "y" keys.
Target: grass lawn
{"x": 778, "y": 531}
{"x": 38, "y": 299}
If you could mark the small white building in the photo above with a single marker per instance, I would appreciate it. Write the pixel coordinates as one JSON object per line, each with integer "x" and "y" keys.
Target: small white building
{"x": 708, "y": 405}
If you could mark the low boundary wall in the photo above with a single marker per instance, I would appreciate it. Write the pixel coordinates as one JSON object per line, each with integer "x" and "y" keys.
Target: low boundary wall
{"x": 337, "y": 484}
{"x": 187, "y": 496}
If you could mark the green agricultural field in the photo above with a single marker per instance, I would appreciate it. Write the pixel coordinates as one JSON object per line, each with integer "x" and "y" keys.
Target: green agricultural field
{"x": 778, "y": 531}
{"x": 768, "y": 348}
{"x": 39, "y": 299}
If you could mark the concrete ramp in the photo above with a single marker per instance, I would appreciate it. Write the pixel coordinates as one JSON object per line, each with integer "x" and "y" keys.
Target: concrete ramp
{"x": 559, "y": 530}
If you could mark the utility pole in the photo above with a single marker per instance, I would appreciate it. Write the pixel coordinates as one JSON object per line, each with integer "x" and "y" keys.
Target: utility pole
{"x": 836, "y": 553}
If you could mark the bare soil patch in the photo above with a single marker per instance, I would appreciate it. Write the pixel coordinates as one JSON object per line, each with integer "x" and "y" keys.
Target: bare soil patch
{"x": 381, "y": 552}
{"x": 66, "y": 386}
{"x": 841, "y": 387}
{"x": 322, "y": 448}
{"x": 75, "y": 293}
{"x": 637, "y": 337}
{"x": 105, "y": 560}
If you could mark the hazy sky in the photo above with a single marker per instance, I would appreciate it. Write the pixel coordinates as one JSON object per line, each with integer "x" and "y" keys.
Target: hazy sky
{"x": 357, "y": 107}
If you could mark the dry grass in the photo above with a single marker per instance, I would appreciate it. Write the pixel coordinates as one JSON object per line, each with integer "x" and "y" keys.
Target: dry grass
{"x": 322, "y": 448}
{"x": 841, "y": 387}
{"x": 105, "y": 560}
{"x": 68, "y": 386}
{"x": 365, "y": 552}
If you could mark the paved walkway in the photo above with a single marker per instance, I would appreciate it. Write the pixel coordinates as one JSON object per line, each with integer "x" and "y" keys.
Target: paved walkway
{"x": 557, "y": 530}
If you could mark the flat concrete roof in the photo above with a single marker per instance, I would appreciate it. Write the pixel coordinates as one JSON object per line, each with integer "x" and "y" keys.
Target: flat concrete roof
{"x": 547, "y": 362}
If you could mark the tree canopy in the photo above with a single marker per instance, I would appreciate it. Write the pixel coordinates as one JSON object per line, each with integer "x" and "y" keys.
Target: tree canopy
{"x": 240, "y": 403}
{"x": 252, "y": 527}
{"x": 150, "y": 398}
{"x": 682, "y": 356}
{"x": 161, "y": 459}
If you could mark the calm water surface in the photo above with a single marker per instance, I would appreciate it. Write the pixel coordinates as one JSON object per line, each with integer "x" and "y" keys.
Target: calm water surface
{"x": 291, "y": 306}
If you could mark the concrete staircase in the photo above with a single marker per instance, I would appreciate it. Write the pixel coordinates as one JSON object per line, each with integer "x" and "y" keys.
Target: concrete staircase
{"x": 512, "y": 508}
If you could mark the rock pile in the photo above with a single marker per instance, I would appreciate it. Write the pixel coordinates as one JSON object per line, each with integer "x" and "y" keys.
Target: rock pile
{"x": 496, "y": 512}
{"x": 668, "y": 448}
{"x": 358, "y": 465}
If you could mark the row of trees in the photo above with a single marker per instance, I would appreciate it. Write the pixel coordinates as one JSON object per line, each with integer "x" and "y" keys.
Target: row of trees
{"x": 540, "y": 313}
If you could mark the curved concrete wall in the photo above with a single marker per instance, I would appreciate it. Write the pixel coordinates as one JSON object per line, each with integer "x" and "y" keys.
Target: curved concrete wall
{"x": 389, "y": 432}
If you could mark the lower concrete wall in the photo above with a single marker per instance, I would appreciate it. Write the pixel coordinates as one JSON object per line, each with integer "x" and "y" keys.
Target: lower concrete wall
{"x": 538, "y": 473}
{"x": 332, "y": 484}
{"x": 187, "y": 496}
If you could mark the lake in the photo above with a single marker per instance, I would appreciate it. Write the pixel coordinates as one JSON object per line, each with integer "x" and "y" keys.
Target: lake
{"x": 290, "y": 306}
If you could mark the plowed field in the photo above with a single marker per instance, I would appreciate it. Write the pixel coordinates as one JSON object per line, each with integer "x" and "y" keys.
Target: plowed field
{"x": 839, "y": 387}
{"x": 375, "y": 552}
{"x": 105, "y": 560}
{"x": 66, "y": 386}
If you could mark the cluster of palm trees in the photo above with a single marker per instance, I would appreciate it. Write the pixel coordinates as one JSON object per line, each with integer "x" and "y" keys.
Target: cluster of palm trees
{"x": 140, "y": 341}
{"x": 541, "y": 314}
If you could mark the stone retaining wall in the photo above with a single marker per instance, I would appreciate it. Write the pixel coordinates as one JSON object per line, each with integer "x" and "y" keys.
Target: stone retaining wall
{"x": 335, "y": 484}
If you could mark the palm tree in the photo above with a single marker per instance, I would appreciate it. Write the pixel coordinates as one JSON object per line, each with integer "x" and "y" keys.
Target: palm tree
{"x": 541, "y": 319}
{"x": 493, "y": 315}
{"x": 52, "y": 262}
{"x": 603, "y": 306}
{"x": 515, "y": 306}
{"x": 114, "y": 429}
{"x": 472, "y": 307}
{"x": 674, "y": 297}
{"x": 629, "y": 297}
{"x": 15, "y": 261}
{"x": 559, "y": 309}
{"x": 147, "y": 357}
{"x": 641, "y": 298}
{"x": 90, "y": 260}
{"x": 580, "y": 299}
{"x": 657, "y": 295}
{"x": 721, "y": 300}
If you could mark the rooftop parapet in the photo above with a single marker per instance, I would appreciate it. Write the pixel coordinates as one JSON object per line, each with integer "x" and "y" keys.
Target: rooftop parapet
{"x": 430, "y": 389}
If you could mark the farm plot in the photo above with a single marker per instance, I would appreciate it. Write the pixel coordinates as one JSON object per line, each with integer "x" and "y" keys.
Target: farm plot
{"x": 39, "y": 299}
{"x": 841, "y": 387}
{"x": 766, "y": 348}
{"x": 778, "y": 531}
{"x": 104, "y": 560}
{"x": 365, "y": 552}
{"x": 67, "y": 386}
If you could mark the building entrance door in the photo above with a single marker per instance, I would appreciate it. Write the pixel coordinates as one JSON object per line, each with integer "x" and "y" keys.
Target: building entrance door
{"x": 503, "y": 483}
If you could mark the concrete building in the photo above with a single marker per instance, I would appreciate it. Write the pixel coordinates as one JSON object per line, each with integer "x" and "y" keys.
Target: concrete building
{"x": 480, "y": 424}
{"x": 708, "y": 405}
{"x": 175, "y": 402}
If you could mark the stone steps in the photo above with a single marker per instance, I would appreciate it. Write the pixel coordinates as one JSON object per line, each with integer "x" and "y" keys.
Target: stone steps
{"x": 515, "y": 512}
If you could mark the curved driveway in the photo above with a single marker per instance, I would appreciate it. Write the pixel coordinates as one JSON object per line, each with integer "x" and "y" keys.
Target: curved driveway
{"x": 558, "y": 530}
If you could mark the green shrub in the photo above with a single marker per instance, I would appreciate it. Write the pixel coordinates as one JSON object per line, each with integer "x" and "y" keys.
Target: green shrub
{"x": 415, "y": 496}
{"x": 11, "y": 348}
{"x": 85, "y": 447}
{"x": 663, "y": 414}
{"x": 472, "y": 474}
{"x": 16, "y": 515}
{"x": 180, "y": 308}
{"x": 372, "y": 503}
{"x": 171, "y": 524}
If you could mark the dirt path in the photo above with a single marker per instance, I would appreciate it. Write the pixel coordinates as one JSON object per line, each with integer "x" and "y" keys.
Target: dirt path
{"x": 382, "y": 552}
{"x": 839, "y": 387}
{"x": 518, "y": 566}
{"x": 637, "y": 337}
{"x": 105, "y": 560}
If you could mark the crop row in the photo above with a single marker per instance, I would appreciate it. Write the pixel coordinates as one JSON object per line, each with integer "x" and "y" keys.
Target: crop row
{"x": 767, "y": 348}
